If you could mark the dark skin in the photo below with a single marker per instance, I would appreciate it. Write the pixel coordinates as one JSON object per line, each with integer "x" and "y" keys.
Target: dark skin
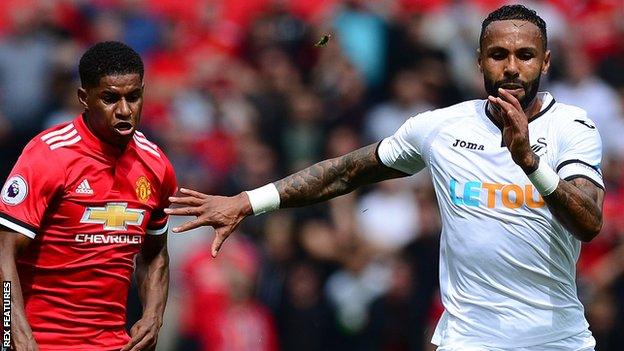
{"x": 11, "y": 245}
{"x": 112, "y": 113}
{"x": 512, "y": 56}
{"x": 113, "y": 108}
{"x": 513, "y": 51}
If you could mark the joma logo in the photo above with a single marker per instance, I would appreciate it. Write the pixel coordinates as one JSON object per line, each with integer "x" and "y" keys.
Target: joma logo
{"x": 467, "y": 145}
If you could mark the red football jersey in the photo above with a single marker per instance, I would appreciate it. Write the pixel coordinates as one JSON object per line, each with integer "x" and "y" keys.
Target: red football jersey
{"x": 88, "y": 207}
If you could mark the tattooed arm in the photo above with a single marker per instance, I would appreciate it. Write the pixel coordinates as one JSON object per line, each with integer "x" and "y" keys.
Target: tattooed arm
{"x": 577, "y": 204}
{"x": 334, "y": 177}
{"x": 322, "y": 181}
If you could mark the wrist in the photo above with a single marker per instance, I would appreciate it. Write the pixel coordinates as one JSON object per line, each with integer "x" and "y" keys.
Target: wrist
{"x": 264, "y": 199}
{"x": 153, "y": 316}
{"x": 530, "y": 163}
{"x": 246, "y": 209}
{"x": 544, "y": 178}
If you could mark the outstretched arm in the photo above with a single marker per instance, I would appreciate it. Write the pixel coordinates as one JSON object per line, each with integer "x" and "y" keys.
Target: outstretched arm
{"x": 577, "y": 203}
{"x": 319, "y": 182}
{"x": 334, "y": 177}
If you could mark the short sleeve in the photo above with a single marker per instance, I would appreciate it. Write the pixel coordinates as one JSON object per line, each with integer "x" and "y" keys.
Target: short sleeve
{"x": 29, "y": 190}
{"x": 405, "y": 149}
{"x": 580, "y": 152}
{"x": 159, "y": 221}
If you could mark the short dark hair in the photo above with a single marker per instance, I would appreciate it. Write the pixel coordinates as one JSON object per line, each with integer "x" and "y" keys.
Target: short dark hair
{"x": 108, "y": 58}
{"x": 515, "y": 12}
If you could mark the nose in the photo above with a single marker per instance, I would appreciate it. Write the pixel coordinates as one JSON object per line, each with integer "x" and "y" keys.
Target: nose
{"x": 123, "y": 110}
{"x": 511, "y": 67}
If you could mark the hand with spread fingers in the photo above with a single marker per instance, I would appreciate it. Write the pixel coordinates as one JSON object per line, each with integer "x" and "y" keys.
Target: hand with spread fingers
{"x": 222, "y": 213}
{"x": 515, "y": 130}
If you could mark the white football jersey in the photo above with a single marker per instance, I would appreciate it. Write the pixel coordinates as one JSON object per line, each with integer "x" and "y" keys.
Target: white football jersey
{"x": 507, "y": 266}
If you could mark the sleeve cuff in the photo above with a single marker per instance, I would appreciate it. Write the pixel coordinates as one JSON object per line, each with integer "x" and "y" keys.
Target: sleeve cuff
{"x": 17, "y": 226}
{"x": 579, "y": 169}
{"x": 388, "y": 156}
{"x": 159, "y": 231}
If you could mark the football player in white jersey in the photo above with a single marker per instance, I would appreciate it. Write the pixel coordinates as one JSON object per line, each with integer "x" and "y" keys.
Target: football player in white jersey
{"x": 518, "y": 182}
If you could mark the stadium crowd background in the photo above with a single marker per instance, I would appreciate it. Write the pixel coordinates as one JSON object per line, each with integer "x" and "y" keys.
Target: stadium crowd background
{"x": 238, "y": 95}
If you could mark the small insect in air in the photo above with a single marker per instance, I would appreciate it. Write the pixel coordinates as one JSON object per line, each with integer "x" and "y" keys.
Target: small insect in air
{"x": 323, "y": 41}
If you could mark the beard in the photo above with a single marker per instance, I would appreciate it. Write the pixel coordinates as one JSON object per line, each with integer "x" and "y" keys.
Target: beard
{"x": 530, "y": 88}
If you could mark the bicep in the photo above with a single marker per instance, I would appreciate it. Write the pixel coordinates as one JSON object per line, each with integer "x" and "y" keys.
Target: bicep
{"x": 12, "y": 242}
{"x": 364, "y": 166}
{"x": 154, "y": 245}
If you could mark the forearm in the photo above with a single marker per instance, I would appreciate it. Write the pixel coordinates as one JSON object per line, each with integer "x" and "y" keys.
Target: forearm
{"x": 578, "y": 211}
{"x": 19, "y": 324}
{"x": 333, "y": 177}
{"x": 576, "y": 204}
{"x": 153, "y": 279}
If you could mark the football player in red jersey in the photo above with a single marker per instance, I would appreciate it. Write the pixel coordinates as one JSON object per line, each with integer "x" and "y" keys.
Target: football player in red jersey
{"x": 83, "y": 200}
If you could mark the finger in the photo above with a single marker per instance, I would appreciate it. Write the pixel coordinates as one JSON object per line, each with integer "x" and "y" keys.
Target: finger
{"x": 500, "y": 109}
{"x": 193, "y": 193}
{"x": 187, "y": 200}
{"x": 136, "y": 338}
{"x": 147, "y": 341}
{"x": 508, "y": 97}
{"x": 195, "y": 223}
{"x": 499, "y": 103}
{"x": 505, "y": 108}
{"x": 217, "y": 243}
{"x": 183, "y": 211}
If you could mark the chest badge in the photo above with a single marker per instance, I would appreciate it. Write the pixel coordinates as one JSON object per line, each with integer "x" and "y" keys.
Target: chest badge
{"x": 540, "y": 147}
{"x": 143, "y": 189}
{"x": 114, "y": 216}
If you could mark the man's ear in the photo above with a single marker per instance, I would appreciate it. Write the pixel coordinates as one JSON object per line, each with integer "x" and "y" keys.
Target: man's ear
{"x": 546, "y": 64}
{"x": 82, "y": 97}
{"x": 479, "y": 60}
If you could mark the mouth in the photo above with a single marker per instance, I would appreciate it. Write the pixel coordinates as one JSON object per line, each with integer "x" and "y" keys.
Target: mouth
{"x": 124, "y": 128}
{"x": 512, "y": 88}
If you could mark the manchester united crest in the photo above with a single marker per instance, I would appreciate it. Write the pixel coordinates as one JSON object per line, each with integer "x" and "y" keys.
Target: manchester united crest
{"x": 143, "y": 188}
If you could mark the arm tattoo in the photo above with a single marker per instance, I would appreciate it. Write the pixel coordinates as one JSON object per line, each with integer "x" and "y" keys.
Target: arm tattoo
{"x": 334, "y": 177}
{"x": 577, "y": 204}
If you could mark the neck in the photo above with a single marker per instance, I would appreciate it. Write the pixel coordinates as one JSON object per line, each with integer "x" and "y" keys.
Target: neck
{"x": 93, "y": 131}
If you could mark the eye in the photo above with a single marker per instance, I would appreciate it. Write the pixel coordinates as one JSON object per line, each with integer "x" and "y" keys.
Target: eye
{"x": 134, "y": 97}
{"x": 110, "y": 98}
{"x": 498, "y": 55}
{"x": 525, "y": 56}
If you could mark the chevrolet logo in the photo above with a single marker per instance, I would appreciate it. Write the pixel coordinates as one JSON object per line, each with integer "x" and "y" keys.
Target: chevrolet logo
{"x": 115, "y": 216}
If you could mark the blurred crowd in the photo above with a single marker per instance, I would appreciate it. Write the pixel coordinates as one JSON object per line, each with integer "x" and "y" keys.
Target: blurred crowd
{"x": 237, "y": 94}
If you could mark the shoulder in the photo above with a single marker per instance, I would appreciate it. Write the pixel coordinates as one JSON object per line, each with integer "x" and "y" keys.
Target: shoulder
{"x": 467, "y": 108}
{"x": 149, "y": 149}
{"x": 436, "y": 120}
{"x": 570, "y": 118}
{"x": 450, "y": 114}
{"x": 463, "y": 109}
{"x": 567, "y": 112}
{"x": 52, "y": 139}
{"x": 152, "y": 155}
